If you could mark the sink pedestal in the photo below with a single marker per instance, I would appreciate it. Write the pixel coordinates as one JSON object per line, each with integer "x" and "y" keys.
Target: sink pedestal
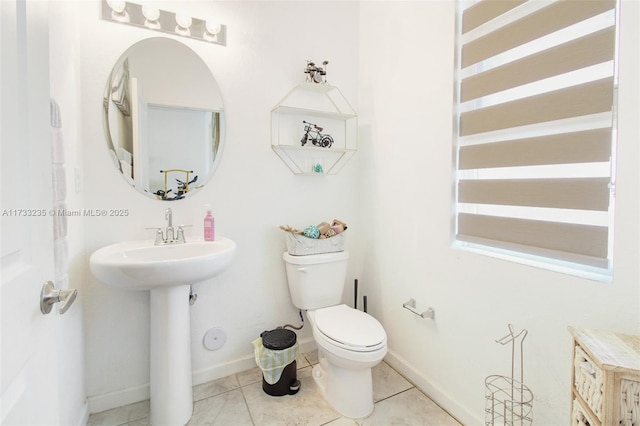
{"x": 167, "y": 270}
{"x": 170, "y": 378}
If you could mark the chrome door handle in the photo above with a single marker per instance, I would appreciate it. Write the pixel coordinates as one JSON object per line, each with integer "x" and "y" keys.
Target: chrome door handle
{"x": 50, "y": 296}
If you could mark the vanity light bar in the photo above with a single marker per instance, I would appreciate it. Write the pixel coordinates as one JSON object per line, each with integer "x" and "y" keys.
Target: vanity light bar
{"x": 155, "y": 19}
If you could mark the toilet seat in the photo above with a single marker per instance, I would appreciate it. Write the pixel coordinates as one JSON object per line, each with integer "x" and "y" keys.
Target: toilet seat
{"x": 349, "y": 328}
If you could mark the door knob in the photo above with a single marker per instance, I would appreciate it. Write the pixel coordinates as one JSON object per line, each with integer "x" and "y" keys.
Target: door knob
{"x": 49, "y": 296}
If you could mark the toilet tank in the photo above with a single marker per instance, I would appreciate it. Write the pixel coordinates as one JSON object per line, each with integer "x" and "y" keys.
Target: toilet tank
{"x": 317, "y": 280}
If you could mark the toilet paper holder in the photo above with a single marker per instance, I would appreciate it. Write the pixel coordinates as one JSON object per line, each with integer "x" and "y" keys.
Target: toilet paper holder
{"x": 411, "y": 305}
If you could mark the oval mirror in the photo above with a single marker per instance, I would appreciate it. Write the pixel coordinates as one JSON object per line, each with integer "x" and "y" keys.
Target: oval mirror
{"x": 163, "y": 118}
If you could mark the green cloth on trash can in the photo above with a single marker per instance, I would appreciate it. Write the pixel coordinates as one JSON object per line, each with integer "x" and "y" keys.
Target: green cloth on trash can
{"x": 272, "y": 362}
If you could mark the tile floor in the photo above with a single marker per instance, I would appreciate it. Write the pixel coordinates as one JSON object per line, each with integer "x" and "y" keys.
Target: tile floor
{"x": 238, "y": 400}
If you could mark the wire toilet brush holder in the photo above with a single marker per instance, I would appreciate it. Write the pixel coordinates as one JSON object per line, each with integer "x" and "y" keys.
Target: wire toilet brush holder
{"x": 509, "y": 401}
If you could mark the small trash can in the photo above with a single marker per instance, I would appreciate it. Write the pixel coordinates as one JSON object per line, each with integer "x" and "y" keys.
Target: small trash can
{"x": 276, "y": 352}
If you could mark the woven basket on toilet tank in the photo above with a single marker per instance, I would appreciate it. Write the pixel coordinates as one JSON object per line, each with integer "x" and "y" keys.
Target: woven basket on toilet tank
{"x": 299, "y": 245}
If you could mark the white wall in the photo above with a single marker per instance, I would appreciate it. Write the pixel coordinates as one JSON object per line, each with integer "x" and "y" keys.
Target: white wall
{"x": 406, "y": 110}
{"x": 251, "y": 193}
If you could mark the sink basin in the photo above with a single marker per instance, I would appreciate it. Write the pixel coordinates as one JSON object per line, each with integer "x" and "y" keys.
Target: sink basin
{"x": 139, "y": 265}
{"x": 167, "y": 271}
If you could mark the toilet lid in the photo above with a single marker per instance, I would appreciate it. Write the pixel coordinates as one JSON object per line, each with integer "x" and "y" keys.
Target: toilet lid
{"x": 349, "y": 326}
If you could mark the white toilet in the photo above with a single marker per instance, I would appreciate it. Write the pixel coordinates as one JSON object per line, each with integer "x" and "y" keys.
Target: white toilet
{"x": 349, "y": 341}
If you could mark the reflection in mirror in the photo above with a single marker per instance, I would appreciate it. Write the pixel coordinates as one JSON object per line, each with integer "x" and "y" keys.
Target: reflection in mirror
{"x": 163, "y": 119}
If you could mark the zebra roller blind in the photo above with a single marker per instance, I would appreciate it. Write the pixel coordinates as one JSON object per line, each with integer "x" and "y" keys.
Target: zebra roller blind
{"x": 535, "y": 126}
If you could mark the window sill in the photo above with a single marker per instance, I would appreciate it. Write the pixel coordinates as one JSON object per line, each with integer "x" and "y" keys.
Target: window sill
{"x": 568, "y": 268}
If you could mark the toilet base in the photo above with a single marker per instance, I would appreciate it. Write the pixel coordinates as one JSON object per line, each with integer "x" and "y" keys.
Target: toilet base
{"x": 349, "y": 391}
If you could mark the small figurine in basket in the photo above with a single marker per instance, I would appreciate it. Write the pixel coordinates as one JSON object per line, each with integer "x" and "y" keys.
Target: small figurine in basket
{"x": 323, "y": 230}
{"x": 323, "y": 238}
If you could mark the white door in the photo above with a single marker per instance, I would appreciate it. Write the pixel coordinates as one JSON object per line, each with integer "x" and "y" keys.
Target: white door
{"x": 139, "y": 115}
{"x": 28, "y": 354}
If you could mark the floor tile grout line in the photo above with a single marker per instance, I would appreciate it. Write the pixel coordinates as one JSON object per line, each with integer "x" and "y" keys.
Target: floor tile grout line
{"x": 333, "y": 420}
{"x": 141, "y": 416}
{"x": 246, "y": 404}
{"x": 398, "y": 393}
{"x": 413, "y": 385}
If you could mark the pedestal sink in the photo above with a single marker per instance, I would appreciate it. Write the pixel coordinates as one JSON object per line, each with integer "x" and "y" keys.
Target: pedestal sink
{"x": 167, "y": 271}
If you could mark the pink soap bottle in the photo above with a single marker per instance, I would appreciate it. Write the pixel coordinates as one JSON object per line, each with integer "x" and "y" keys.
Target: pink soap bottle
{"x": 209, "y": 227}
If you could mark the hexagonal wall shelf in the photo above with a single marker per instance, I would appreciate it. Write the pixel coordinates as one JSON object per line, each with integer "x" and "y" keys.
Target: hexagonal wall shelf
{"x": 301, "y": 122}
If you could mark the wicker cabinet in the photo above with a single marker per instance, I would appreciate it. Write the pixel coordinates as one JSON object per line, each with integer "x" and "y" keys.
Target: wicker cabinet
{"x": 605, "y": 378}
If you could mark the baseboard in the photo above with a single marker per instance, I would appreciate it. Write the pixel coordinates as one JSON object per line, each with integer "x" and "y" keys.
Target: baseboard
{"x": 222, "y": 370}
{"x": 432, "y": 390}
{"x": 83, "y": 416}
{"x": 99, "y": 403}
{"x": 307, "y": 345}
{"x": 238, "y": 365}
{"x": 119, "y": 398}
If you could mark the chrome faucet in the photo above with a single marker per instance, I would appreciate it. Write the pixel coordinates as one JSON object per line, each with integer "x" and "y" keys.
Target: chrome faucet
{"x": 168, "y": 215}
{"x": 168, "y": 236}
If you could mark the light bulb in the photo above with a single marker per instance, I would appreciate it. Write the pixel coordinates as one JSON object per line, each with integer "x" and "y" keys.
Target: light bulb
{"x": 117, "y": 6}
{"x": 183, "y": 21}
{"x": 213, "y": 27}
{"x": 150, "y": 12}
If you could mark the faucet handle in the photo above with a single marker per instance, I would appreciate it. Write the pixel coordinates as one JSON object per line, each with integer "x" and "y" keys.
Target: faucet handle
{"x": 159, "y": 236}
{"x": 180, "y": 236}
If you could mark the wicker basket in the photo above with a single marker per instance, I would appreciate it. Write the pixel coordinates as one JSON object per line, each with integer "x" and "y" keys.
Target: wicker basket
{"x": 299, "y": 245}
{"x": 629, "y": 402}
{"x": 579, "y": 417}
{"x": 588, "y": 381}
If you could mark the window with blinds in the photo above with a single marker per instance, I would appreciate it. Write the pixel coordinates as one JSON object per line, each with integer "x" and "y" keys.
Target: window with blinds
{"x": 535, "y": 151}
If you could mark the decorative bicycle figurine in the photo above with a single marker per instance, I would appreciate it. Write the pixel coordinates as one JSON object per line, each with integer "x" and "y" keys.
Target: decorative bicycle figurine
{"x": 315, "y": 73}
{"x": 312, "y": 133}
